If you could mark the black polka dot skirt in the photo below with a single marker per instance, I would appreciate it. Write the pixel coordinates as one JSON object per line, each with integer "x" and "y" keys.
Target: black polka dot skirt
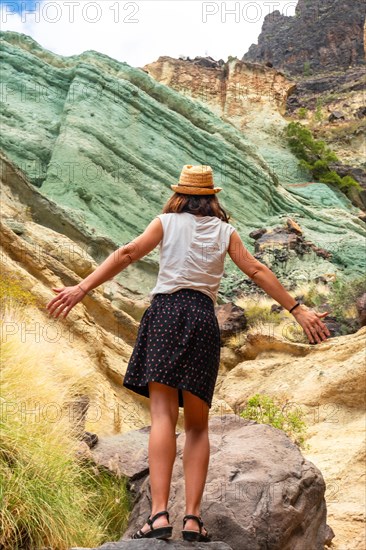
{"x": 178, "y": 344}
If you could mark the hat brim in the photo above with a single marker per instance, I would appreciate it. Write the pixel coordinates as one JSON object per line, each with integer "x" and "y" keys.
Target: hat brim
{"x": 195, "y": 190}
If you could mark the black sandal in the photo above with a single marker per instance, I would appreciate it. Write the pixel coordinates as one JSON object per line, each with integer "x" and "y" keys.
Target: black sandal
{"x": 195, "y": 535}
{"x": 158, "y": 533}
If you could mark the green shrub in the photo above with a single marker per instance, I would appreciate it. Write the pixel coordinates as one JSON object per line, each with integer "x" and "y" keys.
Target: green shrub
{"x": 331, "y": 177}
{"x": 315, "y": 156}
{"x": 267, "y": 410}
{"x": 42, "y": 498}
{"x": 48, "y": 498}
{"x": 342, "y": 300}
{"x": 313, "y": 297}
{"x": 320, "y": 166}
{"x": 302, "y": 113}
{"x": 259, "y": 315}
{"x": 304, "y": 146}
{"x": 111, "y": 498}
{"x": 348, "y": 182}
{"x": 307, "y": 69}
{"x": 318, "y": 115}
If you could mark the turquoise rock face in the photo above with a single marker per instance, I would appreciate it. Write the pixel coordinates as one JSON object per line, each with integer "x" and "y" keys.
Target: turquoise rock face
{"x": 105, "y": 141}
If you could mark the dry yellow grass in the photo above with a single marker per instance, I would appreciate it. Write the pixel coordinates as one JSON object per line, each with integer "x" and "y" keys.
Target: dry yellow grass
{"x": 47, "y": 497}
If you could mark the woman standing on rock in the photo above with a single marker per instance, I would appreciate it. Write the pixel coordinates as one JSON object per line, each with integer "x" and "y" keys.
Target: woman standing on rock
{"x": 176, "y": 356}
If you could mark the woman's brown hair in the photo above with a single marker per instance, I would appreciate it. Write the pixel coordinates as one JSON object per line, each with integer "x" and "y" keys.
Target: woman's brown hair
{"x": 204, "y": 205}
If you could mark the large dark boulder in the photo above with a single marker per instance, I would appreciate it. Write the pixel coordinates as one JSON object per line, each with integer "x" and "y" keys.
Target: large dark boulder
{"x": 260, "y": 493}
{"x": 155, "y": 544}
{"x": 335, "y": 116}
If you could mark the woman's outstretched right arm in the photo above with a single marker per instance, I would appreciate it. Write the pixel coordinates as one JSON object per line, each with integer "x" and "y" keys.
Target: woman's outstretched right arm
{"x": 310, "y": 321}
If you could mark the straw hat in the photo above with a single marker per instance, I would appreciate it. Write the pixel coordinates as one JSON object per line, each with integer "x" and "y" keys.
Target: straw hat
{"x": 196, "y": 180}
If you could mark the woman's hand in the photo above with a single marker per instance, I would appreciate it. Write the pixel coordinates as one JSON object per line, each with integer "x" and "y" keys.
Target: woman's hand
{"x": 65, "y": 300}
{"x": 315, "y": 329}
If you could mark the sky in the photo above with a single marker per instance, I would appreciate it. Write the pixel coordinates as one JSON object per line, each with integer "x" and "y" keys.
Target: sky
{"x": 140, "y": 31}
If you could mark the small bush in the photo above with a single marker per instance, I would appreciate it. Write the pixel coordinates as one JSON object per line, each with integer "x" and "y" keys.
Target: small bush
{"x": 331, "y": 177}
{"x": 318, "y": 115}
{"x": 302, "y": 113}
{"x": 341, "y": 297}
{"x": 315, "y": 156}
{"x": 267, "y": 410}
{"x": 348, "y": 182}
{"x": 305, "y": 147}
{"x": 43, "y": 501}
{"x": 342, "y": 300}
{"x": 314, "y": 297}
{"x": 237, "y": 340}
{"x": 307, "y": 69}
{"x": 259, "y": 315}
{"x": 111, "y": 498}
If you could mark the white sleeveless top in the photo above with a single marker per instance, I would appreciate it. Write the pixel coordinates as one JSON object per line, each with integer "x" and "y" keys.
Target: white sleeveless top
{"x": 192, "y": 253}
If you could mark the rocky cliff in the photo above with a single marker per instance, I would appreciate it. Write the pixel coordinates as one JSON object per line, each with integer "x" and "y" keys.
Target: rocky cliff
{"x": 257, "y": 100}
{"x": 333, "y": 106}
{"x": 323, "y": 36}
{"x": 104, "y": 140}
{"x": 322, "y": 51}
{"x": 249, "y": 96}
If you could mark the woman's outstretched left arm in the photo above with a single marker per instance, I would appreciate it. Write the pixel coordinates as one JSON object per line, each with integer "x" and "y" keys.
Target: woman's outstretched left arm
{"x": 121, "y": 258}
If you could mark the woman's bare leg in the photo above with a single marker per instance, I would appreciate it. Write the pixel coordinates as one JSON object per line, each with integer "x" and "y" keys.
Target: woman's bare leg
{"x": 196, "y": 454}
{"x": 164, "y": 411}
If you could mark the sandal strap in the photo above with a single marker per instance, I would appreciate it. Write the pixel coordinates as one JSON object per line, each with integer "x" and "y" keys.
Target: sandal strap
{"x": 157, "y": 515}
{"x": 197, "y": 518}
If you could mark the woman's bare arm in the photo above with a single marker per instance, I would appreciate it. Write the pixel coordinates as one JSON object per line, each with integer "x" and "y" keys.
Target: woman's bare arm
{"x": 68, "y": 297}
{"x": 258, "y": 272}
{"x": 124, "y": 256}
